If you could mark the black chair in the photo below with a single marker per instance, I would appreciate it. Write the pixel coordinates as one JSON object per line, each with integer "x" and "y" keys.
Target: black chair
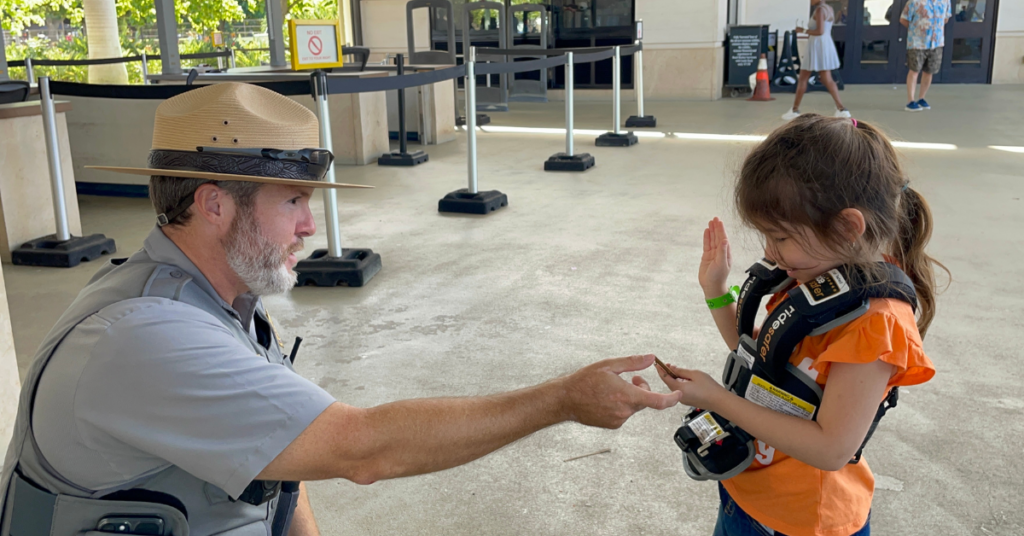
{"x": 13, "y": 91}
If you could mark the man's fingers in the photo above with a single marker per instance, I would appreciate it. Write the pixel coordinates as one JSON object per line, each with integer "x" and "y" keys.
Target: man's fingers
{"x": 630, "y": 364}
{"x": 654, "y": 400}
{"x": 707, "y": 239}
{"x": 641, "y": 383}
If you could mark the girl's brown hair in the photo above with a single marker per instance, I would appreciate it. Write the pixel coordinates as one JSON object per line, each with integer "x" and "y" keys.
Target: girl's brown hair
{"x": 807, "y": 172}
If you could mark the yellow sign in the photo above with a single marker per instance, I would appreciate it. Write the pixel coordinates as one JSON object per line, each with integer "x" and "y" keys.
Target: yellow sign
{"x": 217, "y": 38}
{"x": 315, "y": 44}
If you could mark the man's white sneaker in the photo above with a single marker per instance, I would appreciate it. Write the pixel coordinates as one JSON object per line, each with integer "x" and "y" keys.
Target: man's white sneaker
{"x": 790, "y": 115}
{"x": 843, "y": 113}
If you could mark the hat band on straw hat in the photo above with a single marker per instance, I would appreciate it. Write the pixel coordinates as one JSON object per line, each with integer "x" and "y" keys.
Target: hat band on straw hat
{"x": 237, "y": 164}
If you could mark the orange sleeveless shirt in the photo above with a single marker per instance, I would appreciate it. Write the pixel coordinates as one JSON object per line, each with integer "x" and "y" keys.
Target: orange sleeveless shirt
{"x": 797, "y": 499}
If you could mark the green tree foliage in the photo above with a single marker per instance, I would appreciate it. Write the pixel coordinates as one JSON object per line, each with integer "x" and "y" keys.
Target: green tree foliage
{"x": 200, "y": 16}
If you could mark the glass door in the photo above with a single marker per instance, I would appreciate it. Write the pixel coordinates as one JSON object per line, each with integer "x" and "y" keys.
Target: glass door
{"x": 968, "y": 49}
{"x": 879, "y": 48}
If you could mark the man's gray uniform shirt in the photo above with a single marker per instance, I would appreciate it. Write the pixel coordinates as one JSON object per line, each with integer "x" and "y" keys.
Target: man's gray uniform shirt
{"x": 165, "y": 383}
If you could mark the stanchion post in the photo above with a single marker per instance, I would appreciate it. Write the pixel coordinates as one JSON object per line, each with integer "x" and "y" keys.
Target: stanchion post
{"x": 30, "y": 74}
{"x": 231, "y": 59}
{"x": 638, "y": 79}
{"x": 59, "y": 249}
{"x": 330, "y": 194}
{"x": 402, "y": 134}
{"x": 333, "y": 266}
{"x": 403, "y": 157}
{"x": 616, "y": 90}
{"x": 471, "y": 200}
{"x": 616, "y": 138}
{"x": 471, "y": 118}
{"x": 569, "y": 160}
{"x": 145, "y": 70}
{"x": 570, "y": 81}
{"x": 640, "y": 120}
{"x": 60, "y": 209}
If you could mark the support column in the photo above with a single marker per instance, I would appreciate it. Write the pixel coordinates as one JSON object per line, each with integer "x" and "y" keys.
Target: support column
{"x": 275, "y": 33}
{"x": 167, "y": 32}
{"x": 3, "y": 59}
{"x": 10, "y": 384}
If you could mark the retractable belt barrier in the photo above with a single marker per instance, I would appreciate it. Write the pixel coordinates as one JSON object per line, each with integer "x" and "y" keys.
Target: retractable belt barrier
{"x": 108, "y": 61}
{"x": 319, "y": 86}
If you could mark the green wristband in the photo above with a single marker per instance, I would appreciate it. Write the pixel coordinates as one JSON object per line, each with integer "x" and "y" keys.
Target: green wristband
{"x": 725, "y": 299}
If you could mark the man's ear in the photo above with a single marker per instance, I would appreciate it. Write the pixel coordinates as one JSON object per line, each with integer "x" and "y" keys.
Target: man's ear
{"x": 853, "y": 223}
{"x": 214, "y": 205}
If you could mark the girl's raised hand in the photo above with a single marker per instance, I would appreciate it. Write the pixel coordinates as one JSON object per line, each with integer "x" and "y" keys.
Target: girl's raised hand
{"x": 716, "y": 261}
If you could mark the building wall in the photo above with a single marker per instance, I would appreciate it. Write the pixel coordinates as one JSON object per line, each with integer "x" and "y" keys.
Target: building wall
{"x": 683, "y": 54}
{"x": 779, "y": 14}
{"x": 1008, "y": 63}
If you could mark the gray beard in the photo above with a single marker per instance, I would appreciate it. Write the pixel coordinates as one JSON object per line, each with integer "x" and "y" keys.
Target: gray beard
{"x": 258, "y": 261}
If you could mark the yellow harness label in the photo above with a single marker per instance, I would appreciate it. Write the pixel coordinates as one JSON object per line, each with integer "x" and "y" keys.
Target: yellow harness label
{"x": 706, "y": 428}
{"x": 762, "y": 393}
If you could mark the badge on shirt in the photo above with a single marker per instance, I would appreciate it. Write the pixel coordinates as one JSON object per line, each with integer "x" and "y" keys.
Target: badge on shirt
{"x": 273, "y": 328}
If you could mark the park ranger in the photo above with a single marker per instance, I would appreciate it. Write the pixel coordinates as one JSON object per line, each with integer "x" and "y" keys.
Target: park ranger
{"x": 162, "y": 402}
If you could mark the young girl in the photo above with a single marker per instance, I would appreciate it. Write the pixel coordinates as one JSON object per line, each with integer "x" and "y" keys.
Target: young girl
{"x": 822, "y": 57}
{"x": 824, "y": 192}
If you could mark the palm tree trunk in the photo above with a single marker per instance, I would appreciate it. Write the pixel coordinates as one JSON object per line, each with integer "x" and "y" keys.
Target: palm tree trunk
{"x": 104, "y": 42}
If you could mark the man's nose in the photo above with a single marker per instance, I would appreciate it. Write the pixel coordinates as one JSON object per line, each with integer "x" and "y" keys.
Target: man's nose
{"x": 306, "y": 226}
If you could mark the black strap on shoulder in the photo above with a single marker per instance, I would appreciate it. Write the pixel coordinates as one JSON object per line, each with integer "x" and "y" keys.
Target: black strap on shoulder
{"x": 883, "y": 408}
{"x": 765, "y": 278}
{"x": 828, "y": 300}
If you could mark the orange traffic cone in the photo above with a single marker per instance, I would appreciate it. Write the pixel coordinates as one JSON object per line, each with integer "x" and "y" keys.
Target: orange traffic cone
{"x": 761, "y": 92}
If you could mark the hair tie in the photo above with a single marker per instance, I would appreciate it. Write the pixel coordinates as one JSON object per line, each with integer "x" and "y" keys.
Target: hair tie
{"x": 905, "y": 185}
{"x": 854, "y": 122}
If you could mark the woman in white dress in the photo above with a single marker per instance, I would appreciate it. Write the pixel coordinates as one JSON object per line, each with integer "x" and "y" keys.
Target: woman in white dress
{"x": 821, "y": 56}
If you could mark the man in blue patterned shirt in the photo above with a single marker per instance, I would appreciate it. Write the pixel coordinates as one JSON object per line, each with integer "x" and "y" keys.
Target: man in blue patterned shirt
{"x": 925, "y": 21}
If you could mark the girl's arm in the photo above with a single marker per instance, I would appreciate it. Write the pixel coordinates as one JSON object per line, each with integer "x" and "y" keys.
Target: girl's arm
{"x": 819, "y": 17}
{"x": 713, "y": 276}
{"x": 853, "y": 395}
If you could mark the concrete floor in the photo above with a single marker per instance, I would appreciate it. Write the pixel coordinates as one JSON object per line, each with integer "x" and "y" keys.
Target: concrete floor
{"x": 585, "y": 266}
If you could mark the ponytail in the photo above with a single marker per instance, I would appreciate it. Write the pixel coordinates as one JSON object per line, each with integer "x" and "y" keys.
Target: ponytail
{"x": 915, "y": 229}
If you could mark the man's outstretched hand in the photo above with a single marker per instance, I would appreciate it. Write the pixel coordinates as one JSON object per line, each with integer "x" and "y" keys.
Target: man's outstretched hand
{"x": 597, "y": 396}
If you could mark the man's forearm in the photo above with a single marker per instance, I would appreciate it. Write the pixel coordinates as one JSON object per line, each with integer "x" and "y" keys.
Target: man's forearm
{"x": 421, "y": 436}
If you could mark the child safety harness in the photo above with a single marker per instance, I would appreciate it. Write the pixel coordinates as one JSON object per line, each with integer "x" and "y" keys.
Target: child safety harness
{"x": 760, "y": 371}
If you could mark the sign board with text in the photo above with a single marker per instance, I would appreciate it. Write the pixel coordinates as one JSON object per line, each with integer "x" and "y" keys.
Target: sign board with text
{"x": 315, "y": 44}
{"x": 746, "y": 44}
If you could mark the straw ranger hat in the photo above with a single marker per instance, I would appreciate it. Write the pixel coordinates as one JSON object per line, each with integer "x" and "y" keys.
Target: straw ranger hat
{"x": 237, "y": 132}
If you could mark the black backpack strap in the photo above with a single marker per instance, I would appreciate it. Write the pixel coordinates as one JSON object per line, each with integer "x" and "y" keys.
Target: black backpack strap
{"x": 885, "y": 406}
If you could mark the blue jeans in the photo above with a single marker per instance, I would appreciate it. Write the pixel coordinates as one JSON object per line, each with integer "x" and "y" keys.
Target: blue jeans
{"x": 733, "y": 521}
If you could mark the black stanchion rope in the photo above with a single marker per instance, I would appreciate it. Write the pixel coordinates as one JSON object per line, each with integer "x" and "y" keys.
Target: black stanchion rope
{"x": 107, "y": 61}
{"x": 484, "y": 51}
{"x": 159, "y": 92}
{"x": 337, "y": 86}
{"x": 519, "y": 66}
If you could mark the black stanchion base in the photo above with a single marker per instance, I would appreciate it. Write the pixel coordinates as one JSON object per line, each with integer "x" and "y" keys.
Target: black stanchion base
{"x": 463, "y": 202}
{"x": 564, "y": 162}
{"x": 641, "y": 121}
{"x": 403, "y": 159}
{"x": 611, "y": 139}
{"x": 481, "y": 120}
{"x": 50, "y": 252}
{"x": 354, "y": 268}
